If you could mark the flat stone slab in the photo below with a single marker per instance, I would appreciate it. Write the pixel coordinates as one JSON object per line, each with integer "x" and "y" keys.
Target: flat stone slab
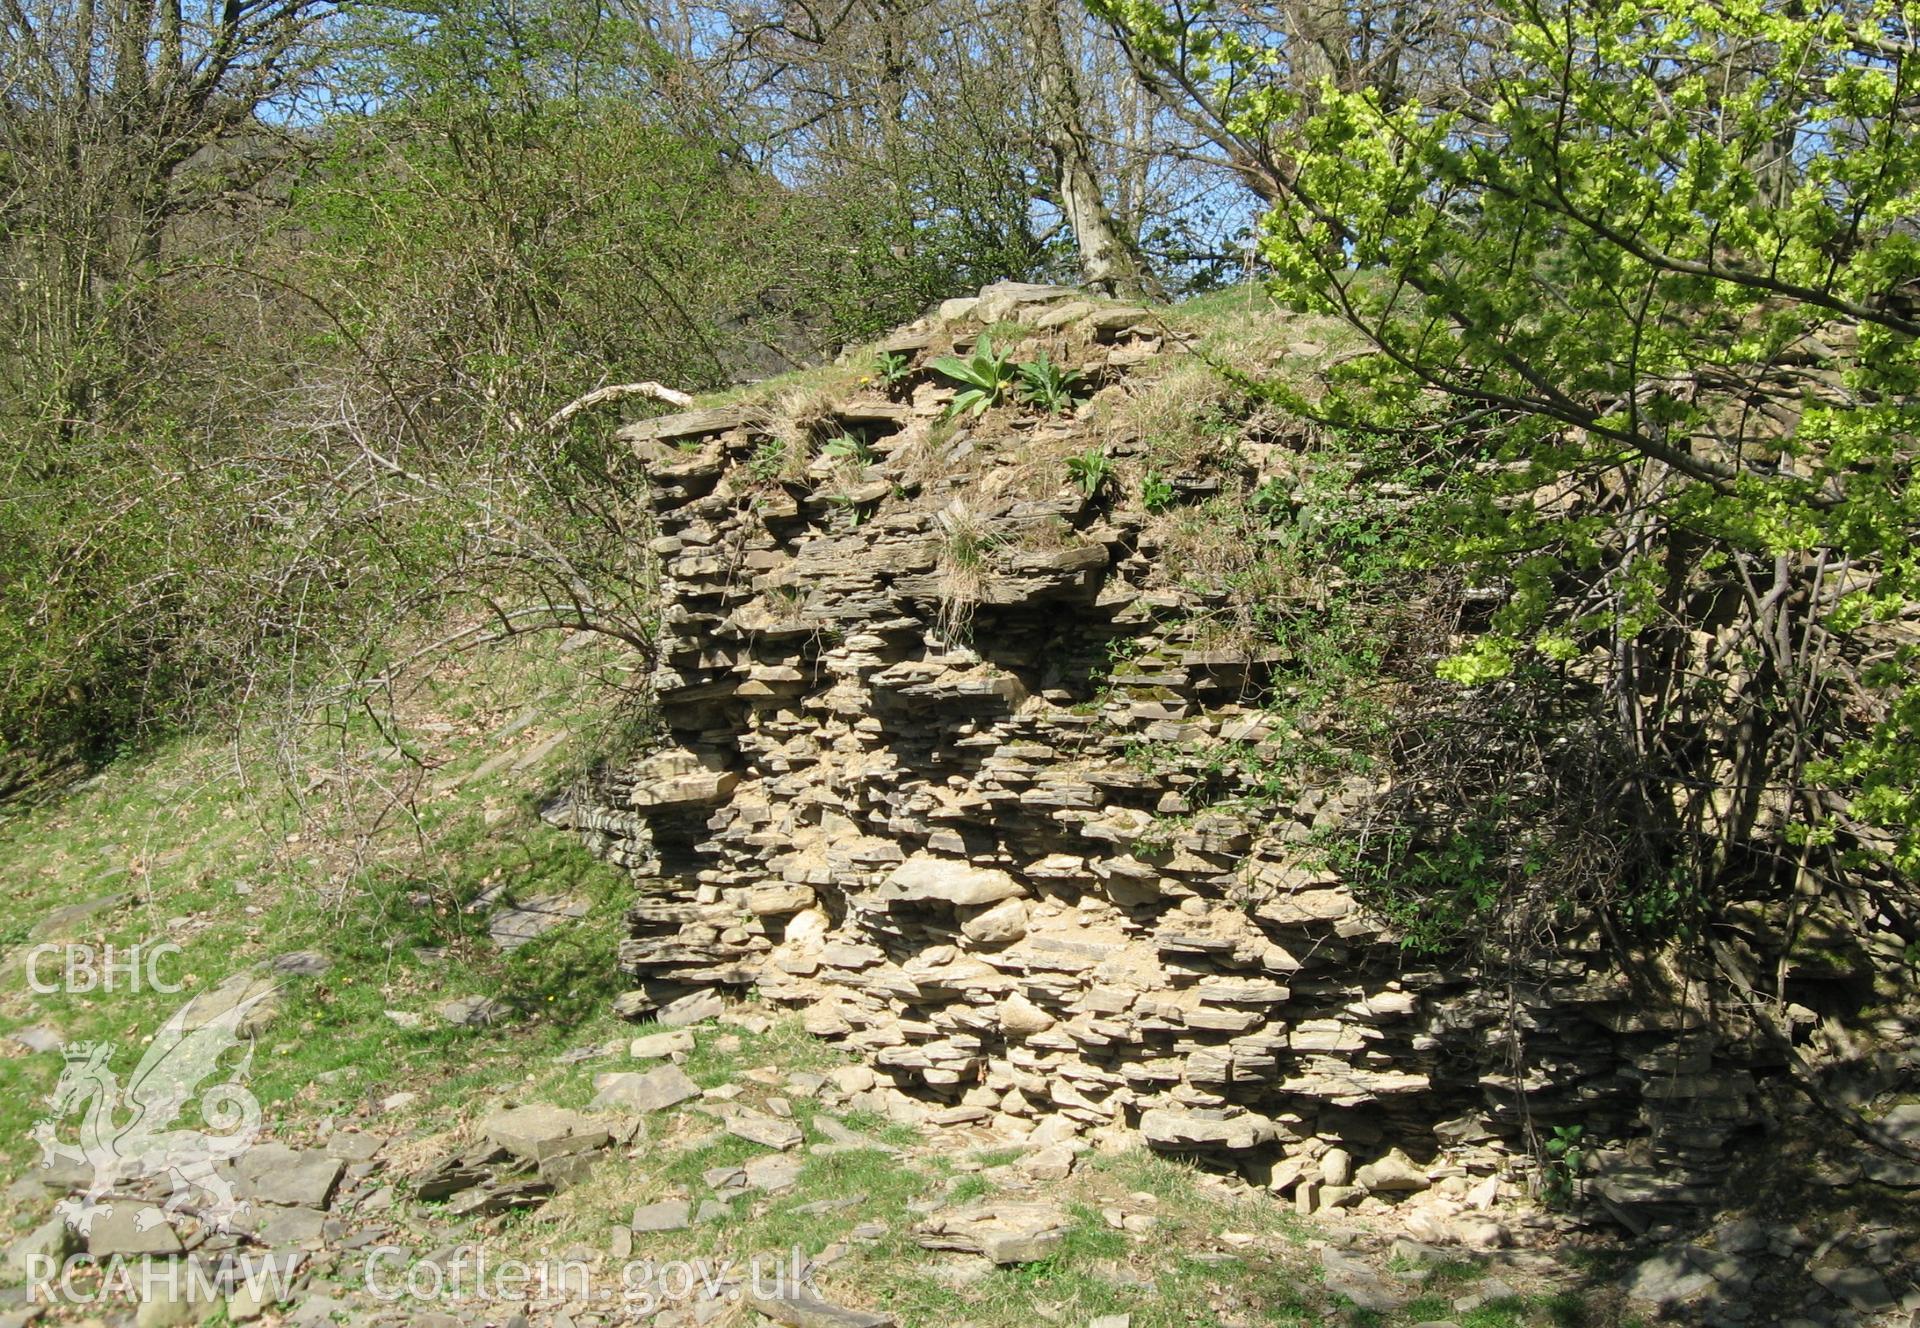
{"x": 62, "y": 922}
{"x": 659, "y": 1046}
{"x": 924, "y": 879}
{"x": 1005, "y": 1231}
{"x": 131, "y": 1229}
{"x": 694, "y": 789}
{"x": 1116, "y": 318}
{"x": 773, "y": 1172}
{"x": 318, "y": 1312}
{"x": 873, "y": 412}
{"x": 473, "y": 1011}
{"x": 693, "y": 1009}
{"x": 906, "y": 339}
{"x": 1903, "y": 1125}
{"x": 1166, "y": 1128}
{"x": 514, "y": 926}
{"x": 251, "y": 999}
{"x": 651, "y": 1090}
{"x": 1359, "y": 1283}
{"x": 725, "y": 1178}
{"x": 1396, "y": 1172}
{"x": 1884, "y": 1170}
{"x": 799, "y": 1310}
{"x": 280, "y": 1227}
{"x": 537, "y": 1132}
{"x": 46, "y": 1245}
{"x": 590, "y": 1052}
{"x": 171, "y": 1303}
{"x": 1861, "y": 1288}
{"x": 1666, "y": 1278}
{"x": 569, "y": 1169}
{"x": 667, "y": 1215}
{"x": 39, "y": 1037}
{"x": 505, "y": 1197}
{"x": 688, "y": 424}
{"x": 1062, "y": 314}
{"x": 771, "y": 1131}
{"x": 351, "y": 1147}
{"x": 289, "y": 1177}
{"x": 448, "y": 1176}
{"x": 256, "y": 1295}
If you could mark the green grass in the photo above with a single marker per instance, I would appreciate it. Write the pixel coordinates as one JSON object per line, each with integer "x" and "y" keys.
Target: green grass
{"x": 721, "y": 1060}
{"x": 1236, "y": 301}
{"x": 237, "y": 865}
{"x": 1004, "y": 335}
{"x": 838, "y": 379}
{"x": 888, "y": 1186}
{"x": 966, "y": 1189}
{"x": 998, "y": 1157}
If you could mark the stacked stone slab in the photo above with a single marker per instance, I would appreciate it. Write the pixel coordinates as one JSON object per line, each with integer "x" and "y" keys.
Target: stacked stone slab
{"x": 948, "y": 849}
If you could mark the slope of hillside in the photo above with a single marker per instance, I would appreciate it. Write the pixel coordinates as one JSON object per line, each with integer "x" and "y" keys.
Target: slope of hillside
{"x": 975, "y": 861}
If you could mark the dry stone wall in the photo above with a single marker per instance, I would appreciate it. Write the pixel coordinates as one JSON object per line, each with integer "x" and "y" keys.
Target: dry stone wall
{"x": 943, "y": 847}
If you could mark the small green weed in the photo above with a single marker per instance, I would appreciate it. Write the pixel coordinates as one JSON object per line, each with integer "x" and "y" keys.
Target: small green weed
{"x": 848, "y": 448}
{"x": 892, "y": 367}
{"x": 1047, "y": 386}
{"x": 769, "y": 461}
{"x": 1434, "y": 896}
{"x": 1090, "y": 470}
{"x": 1560, "y": 1170}
{"x": 984, "y": 377}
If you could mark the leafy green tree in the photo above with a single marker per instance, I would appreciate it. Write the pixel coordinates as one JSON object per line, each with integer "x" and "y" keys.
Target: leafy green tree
{"x": 1662, "y": 256}
{"x": 917, "y": 111}
{"x": 136, "y": 143}
{"x": 520, "y": 218}
{"x": 289, "y": 419}
{"x": 116, "y": 128}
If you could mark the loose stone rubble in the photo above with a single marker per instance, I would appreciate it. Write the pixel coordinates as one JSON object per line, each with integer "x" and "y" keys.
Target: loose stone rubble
{"x": 333, "y": 1207}
{"x": 972, "y": 855}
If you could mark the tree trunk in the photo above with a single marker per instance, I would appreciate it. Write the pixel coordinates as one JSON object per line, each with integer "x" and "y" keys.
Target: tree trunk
{"x": 1108, "y": 262}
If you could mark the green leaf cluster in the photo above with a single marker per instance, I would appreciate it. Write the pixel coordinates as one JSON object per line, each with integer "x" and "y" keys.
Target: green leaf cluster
{"x": 1662, "y": 256}
{"x": 984, "y": 375}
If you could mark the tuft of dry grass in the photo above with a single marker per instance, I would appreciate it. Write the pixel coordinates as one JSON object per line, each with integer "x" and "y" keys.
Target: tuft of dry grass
{"x": 835, "y": 381}
{"x": 803, "y": 419}
{"x": 965, "y": 568}
{"x": 1190, "y": 413}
